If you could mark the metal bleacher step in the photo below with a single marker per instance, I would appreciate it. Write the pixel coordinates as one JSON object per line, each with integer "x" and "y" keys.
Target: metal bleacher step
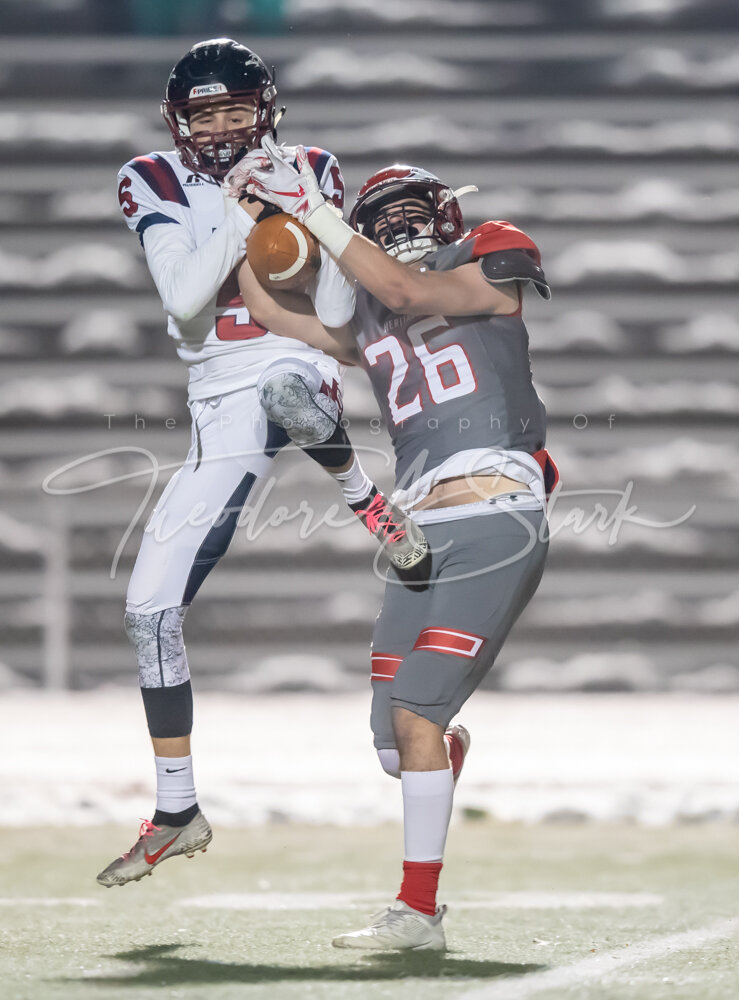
{"x": 588, "y": 111}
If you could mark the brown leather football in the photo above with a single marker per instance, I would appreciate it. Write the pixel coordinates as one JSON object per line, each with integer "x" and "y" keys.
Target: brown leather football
{"x": 282, "y": 253}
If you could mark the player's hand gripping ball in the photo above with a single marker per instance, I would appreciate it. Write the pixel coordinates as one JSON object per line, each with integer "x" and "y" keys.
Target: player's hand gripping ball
{"x": 282, "y": 253}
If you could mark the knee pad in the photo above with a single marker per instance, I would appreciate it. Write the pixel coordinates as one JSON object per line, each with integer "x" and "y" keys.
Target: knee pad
{"x": 295, "y": 396}
{"x": 160, "y": 647}
{"x": 390, "y": 761}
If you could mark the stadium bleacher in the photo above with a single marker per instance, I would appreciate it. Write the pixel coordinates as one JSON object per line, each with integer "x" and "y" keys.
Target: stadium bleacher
{"x": 607, "y": 131}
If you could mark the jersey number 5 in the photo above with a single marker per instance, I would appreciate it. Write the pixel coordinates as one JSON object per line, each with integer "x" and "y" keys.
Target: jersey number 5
{"x": 125, "y": 199}
{"x": 446, "y": 371}
{"x": 228, "y": 327}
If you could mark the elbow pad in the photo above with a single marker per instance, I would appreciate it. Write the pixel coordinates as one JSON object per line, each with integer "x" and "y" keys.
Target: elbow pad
{"x": 514, "y": 265}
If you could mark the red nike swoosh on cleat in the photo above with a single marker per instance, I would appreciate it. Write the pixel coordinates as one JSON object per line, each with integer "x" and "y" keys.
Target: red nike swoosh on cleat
{"x": 153, "y": 858}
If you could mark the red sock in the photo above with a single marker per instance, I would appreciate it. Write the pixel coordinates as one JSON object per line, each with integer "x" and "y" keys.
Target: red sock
{"x": 420, "y": 882}
{"x": 456, "y": 753}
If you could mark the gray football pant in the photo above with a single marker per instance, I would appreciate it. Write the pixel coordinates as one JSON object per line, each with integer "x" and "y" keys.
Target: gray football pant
{"x": 430, "y": 650}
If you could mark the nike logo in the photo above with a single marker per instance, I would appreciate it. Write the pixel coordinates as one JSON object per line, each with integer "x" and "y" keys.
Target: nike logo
{"x": 153, "y": 858}
{"x": 174, "y": 770}
{"x": 300, "y": 193}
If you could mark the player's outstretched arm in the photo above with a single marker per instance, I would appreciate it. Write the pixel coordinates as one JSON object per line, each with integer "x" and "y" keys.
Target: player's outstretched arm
{"x": 401, "y": 287}
{"x": 292, "y": 315}
{"x": 414, "y": 290}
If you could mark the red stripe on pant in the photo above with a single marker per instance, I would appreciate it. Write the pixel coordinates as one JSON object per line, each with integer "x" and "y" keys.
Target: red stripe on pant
{"x": 450, "y": 640}
{"x": 384, "y": 666}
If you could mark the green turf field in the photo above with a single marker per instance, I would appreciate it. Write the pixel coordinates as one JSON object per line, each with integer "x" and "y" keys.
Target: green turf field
{"x": 616, "y": 912}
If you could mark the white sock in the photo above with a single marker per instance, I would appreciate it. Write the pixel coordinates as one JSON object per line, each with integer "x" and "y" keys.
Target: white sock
{"x": 354, "y": 483}
{"x": 427, "y": 809}
{"x": 390, "y": 761}
{"x": 175, "y": 784}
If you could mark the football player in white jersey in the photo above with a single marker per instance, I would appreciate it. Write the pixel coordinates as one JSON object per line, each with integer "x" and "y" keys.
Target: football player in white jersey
{"x": 250, "y": 393}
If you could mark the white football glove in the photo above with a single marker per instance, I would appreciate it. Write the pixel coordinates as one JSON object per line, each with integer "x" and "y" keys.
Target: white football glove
{"x": 293, "y": 191}
{"x": 235, "y": 183}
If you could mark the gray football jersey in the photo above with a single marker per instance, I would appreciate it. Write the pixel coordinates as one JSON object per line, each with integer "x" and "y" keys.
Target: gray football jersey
{"x": 447, "y": 384}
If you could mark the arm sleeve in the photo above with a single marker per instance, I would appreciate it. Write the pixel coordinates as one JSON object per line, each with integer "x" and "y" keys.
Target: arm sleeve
{"x": 187, "y": 277}
{"x": 332, "y": 293}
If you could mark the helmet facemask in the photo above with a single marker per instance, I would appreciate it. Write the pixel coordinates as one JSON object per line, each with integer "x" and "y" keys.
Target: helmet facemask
{"x": 214, "y": 153}
{"x": 435, "y": 219}
{"x": 403, "y": 227}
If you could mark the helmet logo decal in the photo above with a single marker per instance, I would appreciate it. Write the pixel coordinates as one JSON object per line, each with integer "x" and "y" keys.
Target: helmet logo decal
{"x": 208, "y": 89}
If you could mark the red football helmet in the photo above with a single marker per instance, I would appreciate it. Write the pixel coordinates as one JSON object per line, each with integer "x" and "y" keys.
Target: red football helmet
{"x": 403, "y": 237}
{"x": 210, "y": 73}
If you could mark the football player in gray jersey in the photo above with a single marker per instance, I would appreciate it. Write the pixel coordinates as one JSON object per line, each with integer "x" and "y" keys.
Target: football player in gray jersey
{"x": 438, "y": 330}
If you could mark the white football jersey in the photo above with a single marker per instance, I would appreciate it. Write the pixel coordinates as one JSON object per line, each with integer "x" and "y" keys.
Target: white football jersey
{"x": 193, "y": 243}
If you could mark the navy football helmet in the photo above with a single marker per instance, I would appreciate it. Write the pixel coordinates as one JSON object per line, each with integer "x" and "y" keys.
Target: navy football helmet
{"x": 213, "y": 72}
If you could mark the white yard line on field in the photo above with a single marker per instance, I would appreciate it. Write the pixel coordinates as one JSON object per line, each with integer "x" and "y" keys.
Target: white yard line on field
{"x": 494, "y": 901}
{"x": 603, "y": 965}
{"x": 44, "y": 901}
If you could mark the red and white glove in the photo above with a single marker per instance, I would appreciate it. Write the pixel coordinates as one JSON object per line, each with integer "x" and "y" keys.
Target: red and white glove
{"x": 236, "y": 181}
{"x": 293, "y": 191}
{"x": 297, "y": 193}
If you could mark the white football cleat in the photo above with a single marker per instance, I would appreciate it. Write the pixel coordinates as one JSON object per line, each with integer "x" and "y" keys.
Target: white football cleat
{"x": 156, "y": 844}
{"x": 463, "y": 739}
{"x": 398, "y": 928}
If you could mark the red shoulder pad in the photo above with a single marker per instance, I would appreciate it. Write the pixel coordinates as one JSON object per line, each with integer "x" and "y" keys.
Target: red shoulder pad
{"x": 493, "y": 236}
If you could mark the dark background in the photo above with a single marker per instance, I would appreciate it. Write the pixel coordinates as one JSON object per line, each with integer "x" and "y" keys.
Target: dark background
{"x": 607, "y": 130}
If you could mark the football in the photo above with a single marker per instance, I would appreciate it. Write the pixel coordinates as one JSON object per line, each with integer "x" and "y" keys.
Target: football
{"x": 282, "y": 253}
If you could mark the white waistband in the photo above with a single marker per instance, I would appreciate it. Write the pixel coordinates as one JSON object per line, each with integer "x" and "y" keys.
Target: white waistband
{"x": 494, "y": 505}
{"x": 516, "y": 465}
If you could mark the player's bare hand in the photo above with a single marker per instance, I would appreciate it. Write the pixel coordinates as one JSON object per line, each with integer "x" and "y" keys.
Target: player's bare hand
{"x": 255, "y": 207}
